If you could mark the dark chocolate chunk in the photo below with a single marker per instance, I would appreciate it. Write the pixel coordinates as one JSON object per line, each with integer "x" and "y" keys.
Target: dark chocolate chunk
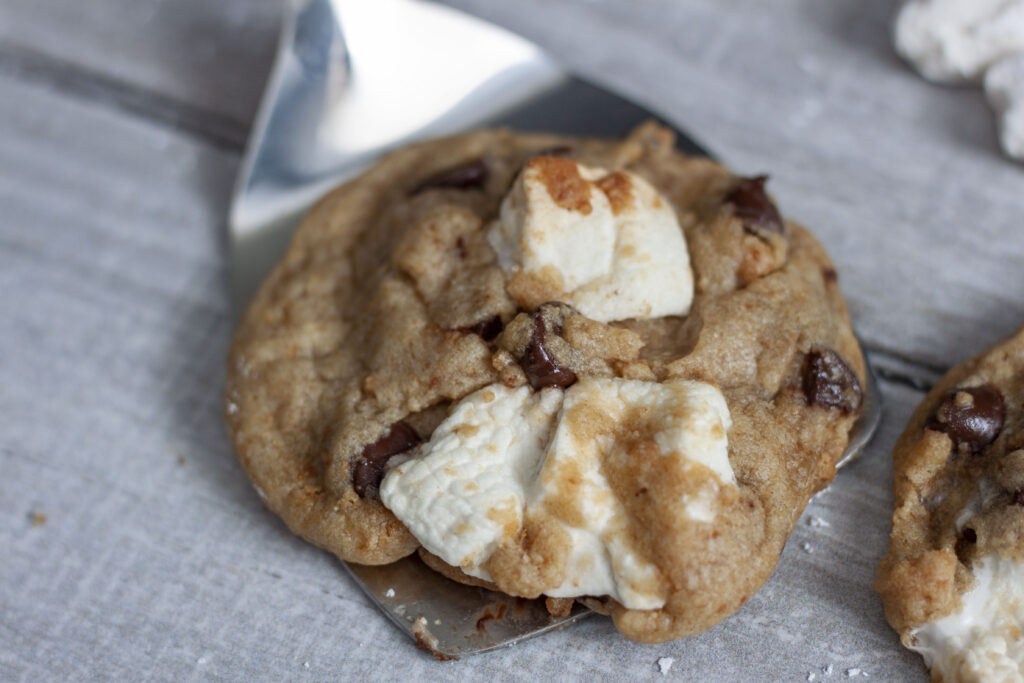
{"x": 488, "y": 329}
{"x": 965, "y": 543}
{"x": 752, "y": 205}
{"x": 465, "y": 177}
{"x": 541, "y": 369}
{"x": 972, "y": 417}
{"x": 830, "y": 383}
{"x": 368, "y": 468}
{"x": 1018, "y": 497}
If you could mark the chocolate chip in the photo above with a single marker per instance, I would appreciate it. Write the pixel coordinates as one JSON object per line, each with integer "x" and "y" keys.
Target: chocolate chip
{"x": 488, "y": 329}
{"x": 752, "y": 205}
{"x": 830, "y": 383}
{"x": 368, "y": 468}
{"x": 829, "y": 275}
{"x": 972, "y": 417}
{"x": 465, "y": 177}
{"x": 965, "y": 543}
{"x": 1018, "y": 498}
{"x": 541, "y": 369}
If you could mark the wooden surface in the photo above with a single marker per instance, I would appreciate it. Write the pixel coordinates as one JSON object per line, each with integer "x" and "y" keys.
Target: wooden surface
{"x": 133, "y": 546}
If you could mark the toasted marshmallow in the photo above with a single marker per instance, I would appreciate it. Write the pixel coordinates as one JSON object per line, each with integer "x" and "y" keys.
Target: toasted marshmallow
{"x": 467, "y": 489}
{"x": 494, "y": 462}
{"x": 607, "y": 243}
{"x": 982, "y": 641}
{"x": 956, "y": 40}
{"x": 686, "y": 422}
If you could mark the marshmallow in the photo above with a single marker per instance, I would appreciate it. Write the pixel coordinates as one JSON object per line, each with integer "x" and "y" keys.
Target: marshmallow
{"x": 607, "y": 243}
{"x": 505, "y": 454}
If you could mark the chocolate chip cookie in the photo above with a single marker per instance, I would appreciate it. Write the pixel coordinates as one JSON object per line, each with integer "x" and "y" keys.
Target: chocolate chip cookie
{"x": 953, "y": 580}
{"x": 580, "y": 369}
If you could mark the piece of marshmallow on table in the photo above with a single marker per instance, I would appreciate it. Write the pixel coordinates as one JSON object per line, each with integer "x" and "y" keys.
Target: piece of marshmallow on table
{"x": 965, "y": 41}
{"x": 1004, "y": 88}
{"x": 955, "y": 41}
{"x": 605, "y": 242}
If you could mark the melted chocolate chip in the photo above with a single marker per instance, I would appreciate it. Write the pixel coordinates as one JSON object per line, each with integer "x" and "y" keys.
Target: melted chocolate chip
{"x": 830, "y": 383}
{"x": 368, "y": 468}
{"x": 965, "y": 543}
{"x": 488, "y": 616}
{"x": 752, "y": 205}
{"x": 488, "y": 329}
{"x": 465, "y": 177}
{"x": 972, "y": 417}
{"x": 541, "y": 369}
{"x": 1018, "y": 498}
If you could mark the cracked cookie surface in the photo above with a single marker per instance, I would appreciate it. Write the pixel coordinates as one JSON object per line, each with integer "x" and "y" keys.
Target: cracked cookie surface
{"x": 392, "y": 305}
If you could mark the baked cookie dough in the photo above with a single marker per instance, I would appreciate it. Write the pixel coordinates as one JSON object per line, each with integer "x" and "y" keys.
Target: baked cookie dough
{"x": 580, "y": 369}
{"x": 953, "y": 580}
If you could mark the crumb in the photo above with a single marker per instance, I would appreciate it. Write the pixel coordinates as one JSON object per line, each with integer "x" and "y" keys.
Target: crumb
{"x": 437, "y": 622}
{"x": 811, "y": 676}
{"x": 390, "y": 593}
{"x": 807, "y": 547}
{"x": 855, "y": 672}
{"x": 305, "y": 665}
{"x": 817, "y": 522}
{"x": 559, "y": 607}
{"x": 201, "y": 660}
{"x": 665, "y": 663}
{"x": 425, "y": 640}
{"x": 828, "y": 670}
{"x": 37, "y": 518}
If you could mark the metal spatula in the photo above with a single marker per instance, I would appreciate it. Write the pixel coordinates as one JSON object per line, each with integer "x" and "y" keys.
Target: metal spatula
{"x": 405, "y": 70}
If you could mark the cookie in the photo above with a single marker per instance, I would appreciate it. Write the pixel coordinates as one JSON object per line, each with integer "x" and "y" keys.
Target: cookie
{"x": 952, "y": 581}
{"x": 569, "y": 368}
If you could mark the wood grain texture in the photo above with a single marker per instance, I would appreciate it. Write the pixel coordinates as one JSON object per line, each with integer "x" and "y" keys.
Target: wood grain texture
{"x": 205, "y": 59}
{"x": 120, "y": 125}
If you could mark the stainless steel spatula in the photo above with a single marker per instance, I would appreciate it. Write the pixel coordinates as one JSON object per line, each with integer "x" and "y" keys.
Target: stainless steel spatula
{"x": 404, "y": 70}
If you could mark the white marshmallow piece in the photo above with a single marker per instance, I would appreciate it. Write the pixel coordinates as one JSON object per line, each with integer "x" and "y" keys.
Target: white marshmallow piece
{"x": 954, "y": 41}
{"x": 467, "y": 489}
{"x": 501, "y": 455}
{"x": 612, "y": 260}
{"x": 1004, "y": 87}
{"x": 982, "y": 640}
{"x": 688, "y": 422}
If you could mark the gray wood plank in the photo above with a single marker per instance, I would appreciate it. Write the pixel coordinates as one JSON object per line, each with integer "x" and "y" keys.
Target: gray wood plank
{"x": 210, "y": 56}
{"x": 156, "y": 559}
